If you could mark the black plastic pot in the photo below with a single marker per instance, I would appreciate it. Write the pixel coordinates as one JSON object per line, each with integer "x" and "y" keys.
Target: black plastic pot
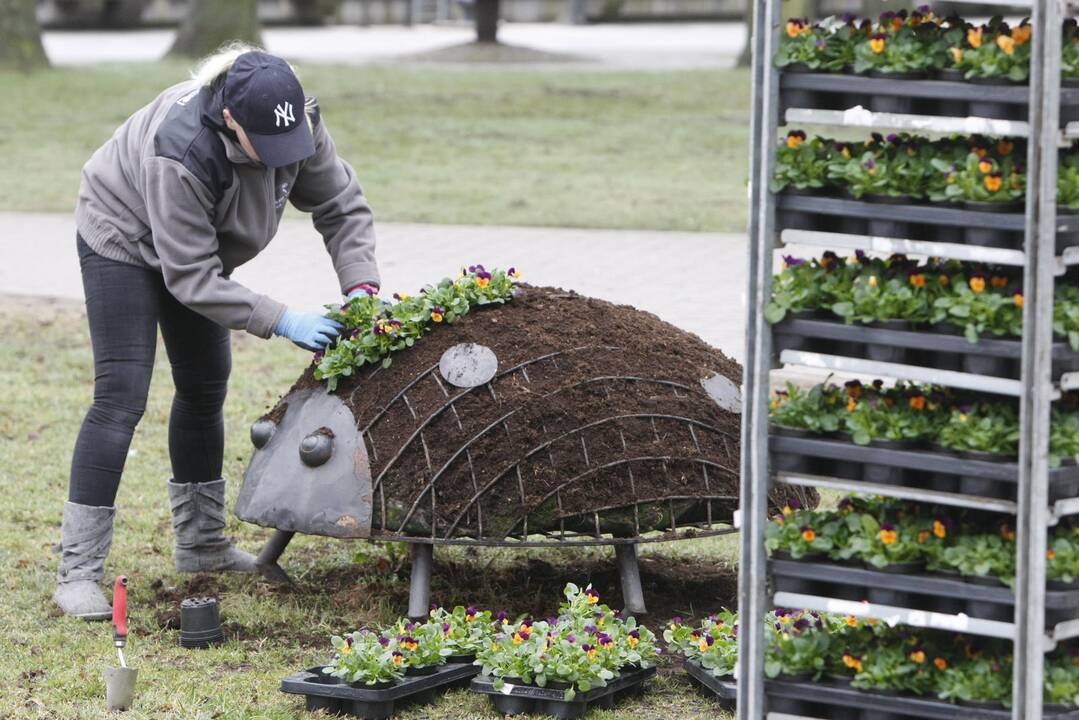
{"x": 992, "y": 109}
{"x": 888, "y": 228}
{"x": 422, "y": 671}
{"x": 888, "y": 353}
{"x": 892, "y": 103}
{"x": 981, "y": 486}
{"x": 200, "y": 623}
{"x": 991, "y": 236}
{"x": 1069, "y": 113}
{"x": 987, "y": 365}
{"x": 797, "y": 97}
{"x": 790, "y": 462}
{"x": 950, "y": 108}
{"x": 461, "y": 659}
{"x": 723, "y": 689}
{"x": 888, "y": 474}
{"x": 1067, "y": 239}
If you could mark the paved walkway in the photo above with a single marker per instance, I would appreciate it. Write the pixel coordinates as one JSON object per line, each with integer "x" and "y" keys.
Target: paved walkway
{"x": 693, "y": 280}
{"x": 637, "y": 46}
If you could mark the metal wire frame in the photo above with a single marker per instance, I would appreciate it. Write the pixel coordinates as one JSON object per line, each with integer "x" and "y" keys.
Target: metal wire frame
{"x": 689, "y": 531}
{"x": 1036, "y": 394}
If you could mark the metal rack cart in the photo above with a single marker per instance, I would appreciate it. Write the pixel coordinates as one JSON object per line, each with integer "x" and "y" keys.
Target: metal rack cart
{"x": 1042, "y": 377}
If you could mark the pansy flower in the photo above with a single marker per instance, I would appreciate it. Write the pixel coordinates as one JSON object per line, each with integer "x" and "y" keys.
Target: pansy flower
{"x": 888, "y": 534}
{"x": 977, "y": 282}
{"x": 808, "y": 534}
{"x": 593, "y": 596}
{"x": 795, "y": 138}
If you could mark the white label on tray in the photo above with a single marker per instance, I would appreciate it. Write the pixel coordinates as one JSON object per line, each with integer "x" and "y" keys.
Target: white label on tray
{"x": 507, "y": 689}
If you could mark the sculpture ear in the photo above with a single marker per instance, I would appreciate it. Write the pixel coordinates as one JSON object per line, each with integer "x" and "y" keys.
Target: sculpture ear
{"x": 724, "y": 392}
{"x": 468, "y": 365}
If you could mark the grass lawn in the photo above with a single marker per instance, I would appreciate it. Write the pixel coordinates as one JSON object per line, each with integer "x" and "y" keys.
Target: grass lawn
{"x": 663, "y": 150}
{"x": 51, "y": 665}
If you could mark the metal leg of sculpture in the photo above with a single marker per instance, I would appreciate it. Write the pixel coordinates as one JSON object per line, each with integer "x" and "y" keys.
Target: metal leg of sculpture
{"x": 419, "y": 594}
{"x": 266, "y": 562}
{"x": 629, "y": 572}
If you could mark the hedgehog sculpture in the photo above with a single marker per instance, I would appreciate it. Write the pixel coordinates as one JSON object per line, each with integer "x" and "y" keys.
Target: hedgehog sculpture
{"x": 553, "y": 418}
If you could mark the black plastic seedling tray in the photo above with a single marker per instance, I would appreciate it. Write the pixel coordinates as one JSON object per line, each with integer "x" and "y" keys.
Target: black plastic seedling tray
{"x": 956, "y": 98}
{"x": 999, "y": 357}
{"x": 916, "y": 466}
{"x": 330, "y": 694}
{"x": 920, "y": 590}
{"x": 530, "y": 699}
{"x": 841, "y": 702}
{"x": 725, "y": 691}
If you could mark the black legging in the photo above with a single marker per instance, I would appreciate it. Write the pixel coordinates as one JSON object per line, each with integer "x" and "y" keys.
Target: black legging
{"x": 124, "y": 305}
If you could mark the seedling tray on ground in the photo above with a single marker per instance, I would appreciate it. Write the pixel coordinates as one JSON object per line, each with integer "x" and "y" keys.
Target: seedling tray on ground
{"x": 930, "y": 96}
{"x": 922, "y": 347}
{"x": 841, "y": 702}
{"x": 726, "y": 691}
{"x": 921, "y": 590}
{"x": 323, "y": 692}
{"x": 530, "y": 699}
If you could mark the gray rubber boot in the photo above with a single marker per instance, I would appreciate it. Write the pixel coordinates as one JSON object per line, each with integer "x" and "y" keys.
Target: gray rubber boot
{"x": 198, "y": 519}
{"x": 86, "y": 536}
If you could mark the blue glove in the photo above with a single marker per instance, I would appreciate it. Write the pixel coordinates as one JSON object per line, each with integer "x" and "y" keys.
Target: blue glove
{"x": 362, "y": 289}
{"x": 309, "y": 330}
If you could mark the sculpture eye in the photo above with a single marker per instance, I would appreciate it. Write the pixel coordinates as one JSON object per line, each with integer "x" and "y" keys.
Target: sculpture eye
{"x": 316, "y": 448}
{"x": 261, "y": 432}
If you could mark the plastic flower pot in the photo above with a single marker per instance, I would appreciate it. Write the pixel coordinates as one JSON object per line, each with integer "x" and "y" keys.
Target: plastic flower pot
{"x": 888, "y": 353}
{"x": 978, "y": 485}
{"x": 892, "y": 103}
{"x": 882, "y": 596}
{"x": 421, "y": 671}
{"x": 372, "y": 710}
{"x": 791, "y": 462}
{"x": 881, "y": 714}
{"x": 946, "y": 360}
{"x": 791, "y": 706}
{"x": 888, "y": 228}
{"x": 950, "y": 108}
{"x": 797, "y": 219}
{"x": 510, "y": 705}
{"x": 1069, "y": 113}
{"x": 1064, "y": 488}
{"x": 1067, "y": 239}
{"x": 987, "y": 365}
{"x": 993, "y": 109}
{"x": 990, "y": 610}
{"x": 991, "y": 236}
{"x": 200, "y": 623}
{"x": 464, "y": 659}
{"x": 797, "y": 97}
{"x": 888, "y": 474}
{"x": 846, "y": 225}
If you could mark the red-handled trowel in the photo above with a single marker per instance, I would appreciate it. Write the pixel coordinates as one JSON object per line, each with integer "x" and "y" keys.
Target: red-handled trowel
{"x": 120, "y": 682}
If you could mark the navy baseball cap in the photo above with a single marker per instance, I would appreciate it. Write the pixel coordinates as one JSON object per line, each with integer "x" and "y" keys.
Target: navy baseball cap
{"x": 265, "y": 97}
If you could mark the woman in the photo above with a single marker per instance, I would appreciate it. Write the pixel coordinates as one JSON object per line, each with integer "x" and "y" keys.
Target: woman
{"x": 186, "y": 190}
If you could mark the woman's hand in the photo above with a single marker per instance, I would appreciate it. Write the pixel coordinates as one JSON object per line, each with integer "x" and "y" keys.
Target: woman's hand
{"x": 309, "y": 330}
{"x": 362, "y": 289}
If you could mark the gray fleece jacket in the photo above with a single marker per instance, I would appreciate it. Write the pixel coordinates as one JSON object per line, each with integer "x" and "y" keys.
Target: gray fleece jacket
{"x": 173, "y": 191}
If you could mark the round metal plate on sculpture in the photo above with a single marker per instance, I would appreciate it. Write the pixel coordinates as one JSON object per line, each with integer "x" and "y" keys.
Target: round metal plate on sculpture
{"x": 555, "y": 419}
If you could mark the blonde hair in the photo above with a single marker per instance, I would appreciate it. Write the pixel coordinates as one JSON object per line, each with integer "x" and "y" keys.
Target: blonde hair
{"x": 214, "y": 66}
{"x": 217, "y": 63}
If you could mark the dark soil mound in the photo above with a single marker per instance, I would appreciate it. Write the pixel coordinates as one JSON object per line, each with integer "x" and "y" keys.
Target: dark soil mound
{"x": 596, "y": 421}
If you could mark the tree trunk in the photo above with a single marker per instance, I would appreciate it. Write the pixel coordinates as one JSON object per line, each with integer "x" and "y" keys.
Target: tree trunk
{"x": 20, "y": 36}
{"x": 210, "y": 24}
{"x": 746, "y": 58}
{"x": 487, "y": 21}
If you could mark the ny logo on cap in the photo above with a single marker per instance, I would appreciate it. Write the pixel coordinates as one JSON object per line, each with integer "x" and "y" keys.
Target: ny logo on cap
{"x": 284, "y": 113}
